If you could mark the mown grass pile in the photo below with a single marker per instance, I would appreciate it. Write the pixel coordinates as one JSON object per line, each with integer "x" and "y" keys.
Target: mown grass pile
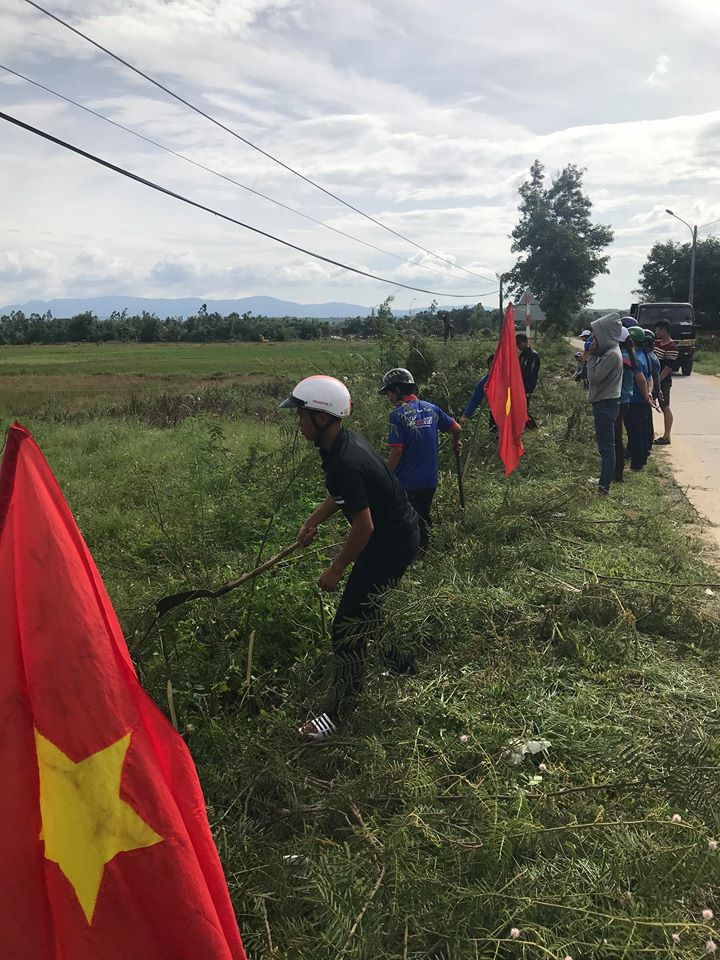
{"x": 543, "y": 614}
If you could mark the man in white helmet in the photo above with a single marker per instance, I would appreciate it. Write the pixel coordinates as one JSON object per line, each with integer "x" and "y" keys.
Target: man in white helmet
{"x": 381, "y": 544}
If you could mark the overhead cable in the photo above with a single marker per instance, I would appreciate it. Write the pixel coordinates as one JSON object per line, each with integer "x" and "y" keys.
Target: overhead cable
{"x": 246, "y": 141}
{"x": 443, "y": 272}
{"x": 224, "y": 216}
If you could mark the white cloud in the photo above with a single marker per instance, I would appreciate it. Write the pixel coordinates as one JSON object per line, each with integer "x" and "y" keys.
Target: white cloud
{"x": 660, "y": 71}
{"x": 429, "y": 125}
{"x": 30, "y": 265}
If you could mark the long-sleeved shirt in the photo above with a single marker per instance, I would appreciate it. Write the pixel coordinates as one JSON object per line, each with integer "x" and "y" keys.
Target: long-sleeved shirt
{"x": 654, "y": 369}
{"x": 529, "y": 368}
{"x": 477, "y": 396}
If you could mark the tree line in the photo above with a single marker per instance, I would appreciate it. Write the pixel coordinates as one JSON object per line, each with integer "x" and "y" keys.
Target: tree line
{"x": 208, "y": 327}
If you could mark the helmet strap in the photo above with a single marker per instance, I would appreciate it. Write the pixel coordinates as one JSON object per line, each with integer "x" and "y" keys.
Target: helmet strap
{"x": 321, "y": 429}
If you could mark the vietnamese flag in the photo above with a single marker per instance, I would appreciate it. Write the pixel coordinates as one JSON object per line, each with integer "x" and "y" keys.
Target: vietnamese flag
{"x": 107, "y": 851}
{"x": 505, "y": 394}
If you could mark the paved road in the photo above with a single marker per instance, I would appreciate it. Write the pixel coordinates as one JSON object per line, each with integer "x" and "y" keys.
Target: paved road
{"x": 695, "y": 450}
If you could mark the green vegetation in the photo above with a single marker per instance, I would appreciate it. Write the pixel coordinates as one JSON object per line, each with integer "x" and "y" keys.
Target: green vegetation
{"x": 707, "y": 358}
{"x": 17, "y": 329}
{"x": 543, "y": 613}
{"x": 560, "y": 249}
{"x": 70, "y": 377}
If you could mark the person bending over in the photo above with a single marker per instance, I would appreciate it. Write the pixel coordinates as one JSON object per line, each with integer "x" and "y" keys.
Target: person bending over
{"x": 381, "y": 544}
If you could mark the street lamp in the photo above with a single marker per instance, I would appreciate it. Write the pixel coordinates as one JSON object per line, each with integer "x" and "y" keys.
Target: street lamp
{"x": 693, "y": 233}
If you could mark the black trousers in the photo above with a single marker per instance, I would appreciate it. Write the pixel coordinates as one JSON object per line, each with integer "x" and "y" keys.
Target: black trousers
{"x": 531, "y": 422}
{"x": 638, "y": 439}
{"x": 619, "y": 444}
{"x": 422, "y": 503}
{"x": 358, "y": 617}
{"x": 650, "y": 427}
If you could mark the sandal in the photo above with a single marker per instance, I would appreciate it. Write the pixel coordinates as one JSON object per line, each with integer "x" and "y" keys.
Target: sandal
{"x": 318, "y": 729}
{"x": 661, "y": 442}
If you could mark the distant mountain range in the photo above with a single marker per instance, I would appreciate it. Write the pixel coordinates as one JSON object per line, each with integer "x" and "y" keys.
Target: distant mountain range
{"x": 102, "y": 307}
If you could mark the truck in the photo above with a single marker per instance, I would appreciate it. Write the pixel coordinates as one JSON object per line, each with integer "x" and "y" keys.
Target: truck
{"x": 681, "y": 318}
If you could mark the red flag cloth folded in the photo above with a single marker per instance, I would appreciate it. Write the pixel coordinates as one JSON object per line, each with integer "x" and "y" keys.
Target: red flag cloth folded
{"x": 106, "y": 846}
{"x": 505, "y": 393}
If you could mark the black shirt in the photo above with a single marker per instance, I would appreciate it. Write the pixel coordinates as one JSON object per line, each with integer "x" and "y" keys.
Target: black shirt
{"x": 529, "y": 368}
{"x": 357, "y": 477}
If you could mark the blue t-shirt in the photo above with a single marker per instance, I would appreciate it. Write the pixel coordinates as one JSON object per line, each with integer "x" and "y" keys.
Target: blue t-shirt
{"x": 644, "y": 368}
{"x": 414, "y": 426}
{"x": 628, "y": 377}
{"x": 654, "y": 363}
{"x": 477, "y": 396}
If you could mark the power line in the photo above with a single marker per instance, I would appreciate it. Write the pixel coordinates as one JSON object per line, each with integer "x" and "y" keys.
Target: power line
{"x": 249, "y": 143}
{"x": 196, "y": 163}
{"x": 703, "y": 225}
{"x": 224, "y": 216}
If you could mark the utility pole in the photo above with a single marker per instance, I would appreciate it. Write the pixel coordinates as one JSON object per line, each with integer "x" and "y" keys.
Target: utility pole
{"x": 693, "y": 251}
{"x": 691, "y": 292}
{"x": 500, "y": 279}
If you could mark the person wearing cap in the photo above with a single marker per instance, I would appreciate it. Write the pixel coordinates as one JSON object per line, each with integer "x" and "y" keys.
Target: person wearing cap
{"x": 580, "y": 372}
{"x": 654, "y": 363}
{"x": 381, "y": 544}
{"x": 413, "y": 442}
{"x": 639, "y": 403}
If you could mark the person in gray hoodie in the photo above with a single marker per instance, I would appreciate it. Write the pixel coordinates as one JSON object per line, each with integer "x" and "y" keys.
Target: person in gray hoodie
{"x": 604, "y": 373}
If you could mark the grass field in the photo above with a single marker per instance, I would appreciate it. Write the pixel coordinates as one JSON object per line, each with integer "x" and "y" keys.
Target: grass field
{"x": 542, "y": 612}
{"x": 707, "y": 357}
{"x": 77, "y": 375}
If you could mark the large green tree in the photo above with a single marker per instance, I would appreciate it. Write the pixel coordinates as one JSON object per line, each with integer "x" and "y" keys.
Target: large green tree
{"x": 560, "y": 249}
{"x": 666, "y": 272}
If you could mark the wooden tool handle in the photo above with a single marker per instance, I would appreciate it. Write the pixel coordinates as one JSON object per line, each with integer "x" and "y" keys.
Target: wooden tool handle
{"x": 285, "y": 552}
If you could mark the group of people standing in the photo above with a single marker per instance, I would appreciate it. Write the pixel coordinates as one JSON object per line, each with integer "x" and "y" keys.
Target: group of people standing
{"x": 628, "y": 372}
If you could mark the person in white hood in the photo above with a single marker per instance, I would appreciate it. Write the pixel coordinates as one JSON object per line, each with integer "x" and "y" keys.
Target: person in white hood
{"x": 604, "y": 373}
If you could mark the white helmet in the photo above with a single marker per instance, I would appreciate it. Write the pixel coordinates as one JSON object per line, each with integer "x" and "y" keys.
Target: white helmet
{"x": 324, "y": 394}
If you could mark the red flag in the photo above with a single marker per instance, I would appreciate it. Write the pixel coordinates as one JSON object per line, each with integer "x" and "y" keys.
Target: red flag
{"x": 505, "y": 393}
{"x": 106, "y": 846}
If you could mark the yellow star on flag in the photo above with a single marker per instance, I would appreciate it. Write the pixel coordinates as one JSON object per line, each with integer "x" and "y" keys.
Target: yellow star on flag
{"x": 508, "y": 403}
{"x": 85, "y": 823}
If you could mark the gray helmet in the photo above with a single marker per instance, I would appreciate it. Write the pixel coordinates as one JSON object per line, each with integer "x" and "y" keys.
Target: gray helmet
{"x": 399, "y": 377}
{"x": 649, "y": 335}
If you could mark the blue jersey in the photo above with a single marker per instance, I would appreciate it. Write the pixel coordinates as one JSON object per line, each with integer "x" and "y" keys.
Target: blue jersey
{"x": 477, "y": 396}
{"x": 414, "y": 426}
{"x": 654, "y": 363}
{"x": 644, "y": 368}
{"x": 630, "y": 368}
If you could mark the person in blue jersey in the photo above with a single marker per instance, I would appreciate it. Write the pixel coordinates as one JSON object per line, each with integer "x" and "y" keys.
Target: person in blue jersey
{"x": 649, "y": 347}
{"x": 413, "y": 442}
{"x": 640, "y": 399}
{"x": 478, "y": 394}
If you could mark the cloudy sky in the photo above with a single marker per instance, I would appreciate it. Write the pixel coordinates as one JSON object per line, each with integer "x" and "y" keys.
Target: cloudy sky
{"x": 425, "y": 115}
